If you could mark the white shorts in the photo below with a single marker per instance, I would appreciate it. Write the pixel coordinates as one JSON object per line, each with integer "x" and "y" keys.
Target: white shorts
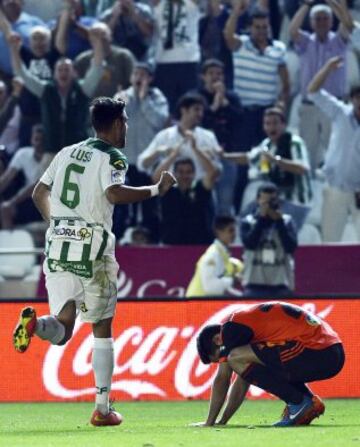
{"x": 95, "y": 297}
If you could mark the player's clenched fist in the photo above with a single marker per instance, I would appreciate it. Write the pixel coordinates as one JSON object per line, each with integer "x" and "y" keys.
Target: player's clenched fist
{"x": 167, "y": 180}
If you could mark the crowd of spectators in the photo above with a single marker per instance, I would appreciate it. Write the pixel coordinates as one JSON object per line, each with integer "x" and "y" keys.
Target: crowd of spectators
{"x": 210, "y": 88}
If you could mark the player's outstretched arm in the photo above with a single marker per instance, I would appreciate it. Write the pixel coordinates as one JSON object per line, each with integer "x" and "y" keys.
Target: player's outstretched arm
{"x": 236, "y": 398}
{"x": 40, "y": 196}
{"x": 218, "y": 393}
{"x": 122, "y": 194}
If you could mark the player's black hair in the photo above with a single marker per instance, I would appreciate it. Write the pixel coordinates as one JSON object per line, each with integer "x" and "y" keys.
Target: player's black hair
{"x": 188, "y": 100}
{"x": 221, "y": 222}
{"x": 184, "y": 161}
{"x": 204, "y": 342}
{"x": 268, "y": 188}
{"x": 355, "y": 90}
{"x": 258, "y": 14}
{"x": 104, "y": 111}
{"x": 209, "y": 63}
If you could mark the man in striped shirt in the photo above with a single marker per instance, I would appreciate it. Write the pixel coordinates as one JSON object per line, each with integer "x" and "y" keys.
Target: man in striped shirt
{"x": 259, "y": 65}
{"x": 76, "y": 196}
{"x": 259, "y": 68}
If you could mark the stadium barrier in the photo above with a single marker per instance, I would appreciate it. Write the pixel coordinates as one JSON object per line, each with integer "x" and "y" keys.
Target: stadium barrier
{"x": 166, "y": 271}
{"x": 155, "y": 352}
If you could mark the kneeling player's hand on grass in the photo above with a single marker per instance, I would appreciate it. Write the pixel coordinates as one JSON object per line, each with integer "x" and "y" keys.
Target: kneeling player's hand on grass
{"x": 167, "y": 180}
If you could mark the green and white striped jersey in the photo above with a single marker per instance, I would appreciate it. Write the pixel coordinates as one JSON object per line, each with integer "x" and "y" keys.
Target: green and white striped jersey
{"x": 81, "y": 215}
{"x": 301, "y": 192}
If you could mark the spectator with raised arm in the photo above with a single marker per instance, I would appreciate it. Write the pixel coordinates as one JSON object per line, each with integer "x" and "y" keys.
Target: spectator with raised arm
{"x": 280, "y": 158}
{"x": 132, "y": 25}
{"x": 119, "y": 63}
{"x": 222, "y": 115}
{"x": 260, "y": 76}
{"x": 187, "y": 216}
{"x": 94, "y": 8}
{"x": 71, "y": 29}
{"x": 341, "y": 195}
{"x": 191, "y": 111}
{"x": 29, "y": 160}
{"x": 64, "y": 101}
{"x": 177, "y": 48}
{"x": 10, "y": 115}
{"x": 148, "y": 111}
{"x": 40, "y": 60}
{"x": 211, "y": 36}
{"x": 315, "y": 50}
{"x": 14, "y": 19}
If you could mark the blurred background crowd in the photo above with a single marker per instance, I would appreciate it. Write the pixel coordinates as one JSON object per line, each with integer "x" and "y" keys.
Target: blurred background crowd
{"x": 228, "y": 94}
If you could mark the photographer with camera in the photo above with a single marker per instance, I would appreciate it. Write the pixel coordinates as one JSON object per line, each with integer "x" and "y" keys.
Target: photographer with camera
{"x": 269, "y": 240}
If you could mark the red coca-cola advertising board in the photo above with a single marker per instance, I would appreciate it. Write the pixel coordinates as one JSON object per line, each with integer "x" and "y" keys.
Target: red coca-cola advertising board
{"x": 155, "y": 353}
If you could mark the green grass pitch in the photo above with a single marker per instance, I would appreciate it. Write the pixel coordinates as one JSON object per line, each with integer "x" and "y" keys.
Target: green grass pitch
{"x": 165, "y": 424}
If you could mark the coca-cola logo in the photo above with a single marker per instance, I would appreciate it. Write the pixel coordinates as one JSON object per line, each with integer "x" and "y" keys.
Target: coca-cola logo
{"x": 161, "y": 361}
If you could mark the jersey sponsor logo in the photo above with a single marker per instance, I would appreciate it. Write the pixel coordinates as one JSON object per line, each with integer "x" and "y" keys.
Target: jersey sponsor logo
{"x": 116, "y": 176}
{"x": 74, "y": 234}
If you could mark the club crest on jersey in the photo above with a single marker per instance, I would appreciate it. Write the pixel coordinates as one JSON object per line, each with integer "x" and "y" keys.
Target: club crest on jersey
{"x": 119, "y": 164}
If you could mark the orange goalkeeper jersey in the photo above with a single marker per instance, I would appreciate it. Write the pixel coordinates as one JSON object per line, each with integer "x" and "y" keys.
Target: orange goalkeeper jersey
{"x": 276, "y": 323}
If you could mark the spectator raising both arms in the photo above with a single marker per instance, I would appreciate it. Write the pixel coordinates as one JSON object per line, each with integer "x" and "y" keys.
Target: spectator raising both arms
{"x": 259, "y": 68}
{"x": 132, "y": 26}
{"x": 314, "y": 50}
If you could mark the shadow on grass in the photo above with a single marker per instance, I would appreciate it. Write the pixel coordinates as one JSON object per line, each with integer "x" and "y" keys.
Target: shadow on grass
{"x": 264, "y": 426}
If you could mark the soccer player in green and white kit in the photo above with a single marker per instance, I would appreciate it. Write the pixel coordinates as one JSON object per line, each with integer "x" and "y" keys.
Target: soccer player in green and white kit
{"x": 76, "y": 196}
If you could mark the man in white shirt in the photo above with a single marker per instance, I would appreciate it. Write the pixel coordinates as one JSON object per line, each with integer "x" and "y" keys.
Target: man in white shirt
{"x": 191, "y": 110}
{"x": 30, "y": 162}
{"x": 342, "y": 161}
{"x": 178, "y": 49}
{"x": 76, "y": 197}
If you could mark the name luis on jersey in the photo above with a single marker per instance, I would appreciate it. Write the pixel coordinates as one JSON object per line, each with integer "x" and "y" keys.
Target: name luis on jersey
{"x": 81, "y": 155}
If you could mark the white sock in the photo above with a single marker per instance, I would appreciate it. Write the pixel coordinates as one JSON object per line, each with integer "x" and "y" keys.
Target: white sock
{"x": 103, "y": 366}
{"x": 49, "y": 328}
